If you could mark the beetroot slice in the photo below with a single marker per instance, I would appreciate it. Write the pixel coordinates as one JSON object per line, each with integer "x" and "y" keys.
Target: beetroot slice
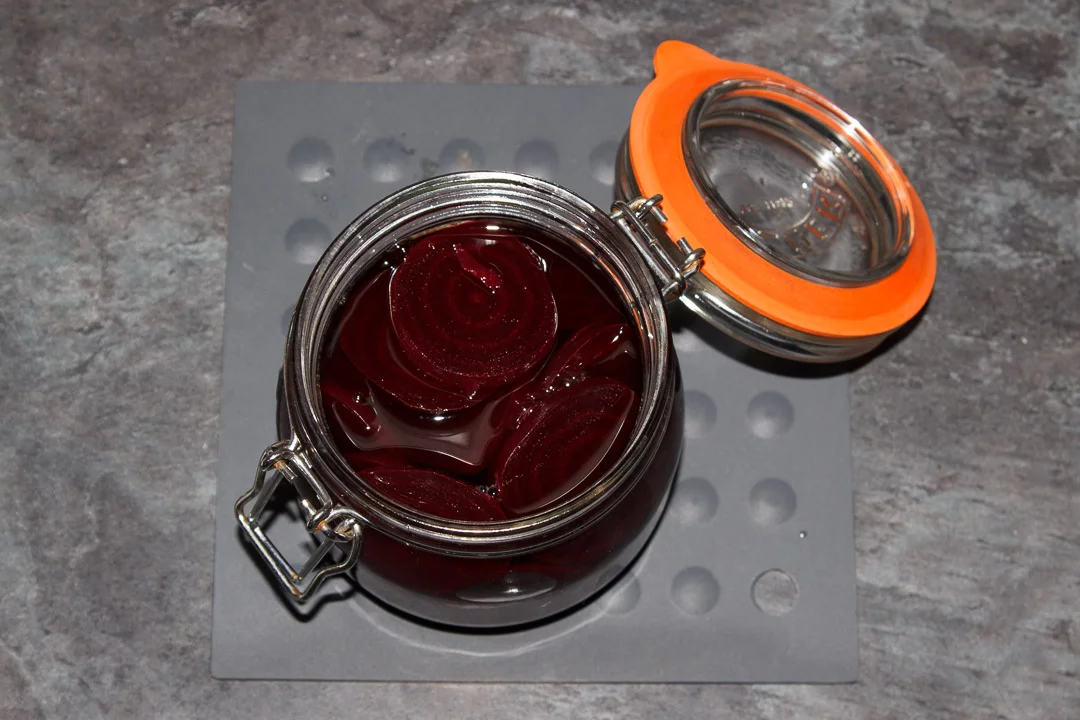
{"x": 437, "y": 495}
{"x": 459, "y": 443}
{"x": 472, "y": 313}
{"x": 606, "y": 350}
{"x": 573, "y": 434}
{"x": 597, "y": 350}
{"x": 434, "y": 493}
{"x": 369, "y": 343}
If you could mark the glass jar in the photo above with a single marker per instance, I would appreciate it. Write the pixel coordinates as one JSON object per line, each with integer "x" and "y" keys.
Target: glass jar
{"x": 783, "y": 223}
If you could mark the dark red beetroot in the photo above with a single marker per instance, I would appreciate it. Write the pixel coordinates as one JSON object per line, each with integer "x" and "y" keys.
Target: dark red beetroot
{"x": 472, "y": 314}
{"x": 572, "y": 559}
{"x": 434, "y": 494}
{"x": 593, "y": 351}
{"x": 484, "y": 355}
{"x": 368, "y": 340}
{"x": 438, "y": 495}
{"x": 460, "y": 443}
{"x": 568, "y": 436}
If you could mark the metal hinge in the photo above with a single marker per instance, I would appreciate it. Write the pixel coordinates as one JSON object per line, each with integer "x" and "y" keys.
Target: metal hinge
{"x": 339, "y": 526}
{"x": 673, "y": 272}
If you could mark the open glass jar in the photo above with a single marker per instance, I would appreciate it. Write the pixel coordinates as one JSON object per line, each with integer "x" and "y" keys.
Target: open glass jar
{"x": 783, "y": 223}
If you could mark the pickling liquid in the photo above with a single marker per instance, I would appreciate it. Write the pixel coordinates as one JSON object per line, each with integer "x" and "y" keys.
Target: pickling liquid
{"x": 481, "y": 374}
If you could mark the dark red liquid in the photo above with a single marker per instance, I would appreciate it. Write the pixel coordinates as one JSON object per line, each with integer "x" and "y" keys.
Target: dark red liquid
{"x": 480, "y": 374}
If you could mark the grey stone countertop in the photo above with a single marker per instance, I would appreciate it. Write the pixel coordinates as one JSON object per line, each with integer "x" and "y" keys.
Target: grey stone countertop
{"x": 115, "y": 123}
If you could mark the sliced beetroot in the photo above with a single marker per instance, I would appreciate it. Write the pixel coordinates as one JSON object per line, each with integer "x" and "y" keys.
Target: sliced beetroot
{"x": 441, "y": 496}
{"x": 571, "y": 435}
{"x": 434, "y": 493}
{"x": 460, "y": 443}
{"x": 569, "y": 560}
{"x": 368, "y": 341}
{"x": 512, "y": 410}
{"x": 594, "y": 350}
{"x": 428, "y": 434}
{"x": 472, "y": 313}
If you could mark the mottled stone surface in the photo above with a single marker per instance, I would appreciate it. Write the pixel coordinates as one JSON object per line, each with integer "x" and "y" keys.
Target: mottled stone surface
{"x": 114, "y": 170}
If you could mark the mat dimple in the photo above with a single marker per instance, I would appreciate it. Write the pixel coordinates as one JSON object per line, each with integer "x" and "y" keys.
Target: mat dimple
{"x": 750, "y": 576}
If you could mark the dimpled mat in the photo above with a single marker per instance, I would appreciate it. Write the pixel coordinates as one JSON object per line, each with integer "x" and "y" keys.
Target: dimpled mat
{"x": 750, "y": 576}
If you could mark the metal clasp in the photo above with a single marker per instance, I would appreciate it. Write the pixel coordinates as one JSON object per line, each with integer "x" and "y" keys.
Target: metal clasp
{"x": 674, "y": 272}
{"x": 340, "y": 526}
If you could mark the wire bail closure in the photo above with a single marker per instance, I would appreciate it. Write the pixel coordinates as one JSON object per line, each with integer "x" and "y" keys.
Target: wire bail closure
{"x": 339, "y": 526}
{"x": 673, "y": 272}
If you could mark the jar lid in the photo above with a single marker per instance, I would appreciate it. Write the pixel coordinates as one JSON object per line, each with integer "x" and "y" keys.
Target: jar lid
{"x": 813, "y": 236}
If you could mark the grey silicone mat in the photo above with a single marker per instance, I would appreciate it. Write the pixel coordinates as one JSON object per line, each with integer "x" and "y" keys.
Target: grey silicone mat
{"x": 751, "y": 574}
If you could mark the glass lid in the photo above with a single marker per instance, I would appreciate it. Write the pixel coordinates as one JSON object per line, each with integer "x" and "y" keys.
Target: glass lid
{"x": 815, "y": 244}
{"x": 786, "y": 178}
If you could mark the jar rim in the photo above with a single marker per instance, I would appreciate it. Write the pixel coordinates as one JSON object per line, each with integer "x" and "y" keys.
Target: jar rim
{"x": 842, "y": 321}
{"x": 829, "y": 140}
{"x": 420, "y": 208}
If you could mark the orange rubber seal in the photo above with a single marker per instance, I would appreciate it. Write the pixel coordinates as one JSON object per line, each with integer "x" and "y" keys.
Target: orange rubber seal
{"x": 683, "y": 73}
